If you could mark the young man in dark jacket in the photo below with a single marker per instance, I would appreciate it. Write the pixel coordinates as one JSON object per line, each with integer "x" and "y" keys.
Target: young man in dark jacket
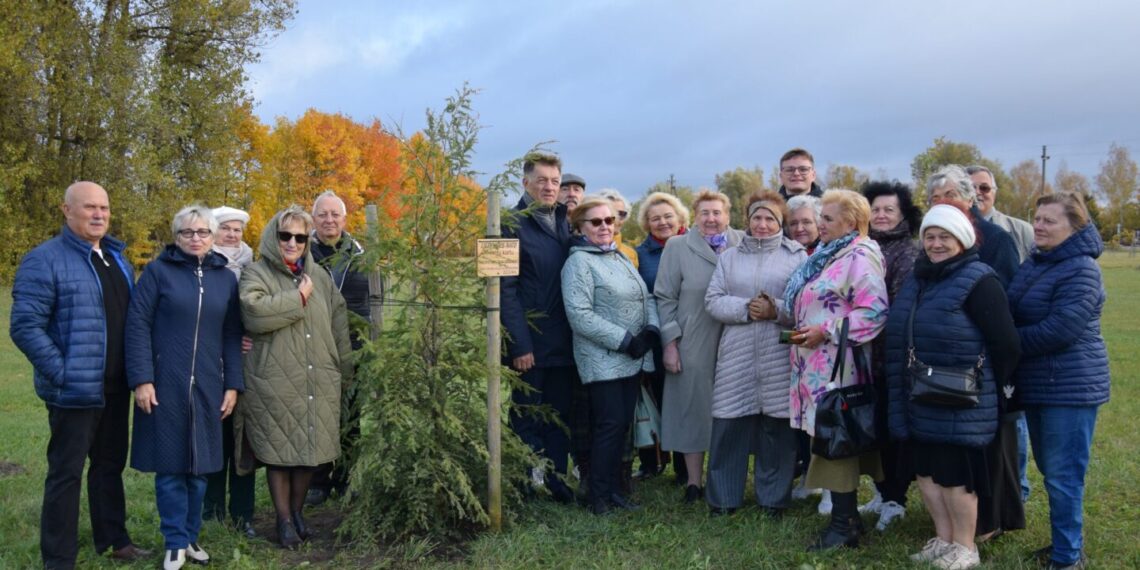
{"x": 539, "y": 339}
{"x": 69, "y": 305}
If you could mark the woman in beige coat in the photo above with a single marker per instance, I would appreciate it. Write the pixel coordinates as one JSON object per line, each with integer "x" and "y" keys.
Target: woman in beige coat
{"x": 290, "y": 412}
{"x": 689, "y": 335}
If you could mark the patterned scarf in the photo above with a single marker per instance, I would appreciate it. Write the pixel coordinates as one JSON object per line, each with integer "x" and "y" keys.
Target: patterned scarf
{"x": 717, "y": 242}
{"x": 812, "y": 267}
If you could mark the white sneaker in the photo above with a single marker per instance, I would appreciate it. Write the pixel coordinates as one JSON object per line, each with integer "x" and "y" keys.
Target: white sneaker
{"x": 825, "y": 503}
{"x": 873, "y": 505}
{"x": 801, "y": 491}
{"x": 196, "y": 555}
{"x": 958, "y": 557}
{"x": 889, "y": 512}
{"x": 174, "y": 559}
{"x": 933, "y": 550}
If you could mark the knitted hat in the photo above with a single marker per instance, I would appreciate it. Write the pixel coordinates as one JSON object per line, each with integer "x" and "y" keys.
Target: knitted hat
{"x": 227, "y": 214}
{"x": 767, "y": 205}
{"x": 573, "y": 179}
{"x": 952, "y": 220}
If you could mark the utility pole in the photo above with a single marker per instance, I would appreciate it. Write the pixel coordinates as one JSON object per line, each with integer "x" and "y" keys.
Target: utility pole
{"x": 672, "y": 185}
{"x": 1044, "y": 157}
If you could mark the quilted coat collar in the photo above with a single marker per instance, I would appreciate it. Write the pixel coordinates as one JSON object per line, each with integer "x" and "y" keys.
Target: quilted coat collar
{"x": 1085, "y": 241}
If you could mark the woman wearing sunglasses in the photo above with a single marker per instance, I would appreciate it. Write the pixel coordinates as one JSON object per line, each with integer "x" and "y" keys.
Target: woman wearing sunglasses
{"x": 183, "y": 350}
{"x": 614, "y": 319}
{"x": 290, "y": 413}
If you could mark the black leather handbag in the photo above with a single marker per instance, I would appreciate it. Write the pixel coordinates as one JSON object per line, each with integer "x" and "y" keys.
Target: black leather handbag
{"x": 845, "y": 417}
{"x": 940, "y": 386}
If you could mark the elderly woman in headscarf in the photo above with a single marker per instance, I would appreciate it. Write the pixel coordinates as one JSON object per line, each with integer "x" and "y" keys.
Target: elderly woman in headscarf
{"x": 301, "y": 351}
{"x": 690, "y": 335}
{"x": 843, "y": 279}
{"x": 750, "y": 392}
{"x": 183, "y": 349}
{"x": 237, "y": 255}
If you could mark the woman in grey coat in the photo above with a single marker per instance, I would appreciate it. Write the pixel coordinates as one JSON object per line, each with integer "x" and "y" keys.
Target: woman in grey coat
{"x": 753, "y": 371}
{"x": 614, "y": 319}
{"x": 689, "y": 335}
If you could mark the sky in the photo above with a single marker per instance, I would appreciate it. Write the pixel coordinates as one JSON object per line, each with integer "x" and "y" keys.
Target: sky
{"x": 632, "y": 92}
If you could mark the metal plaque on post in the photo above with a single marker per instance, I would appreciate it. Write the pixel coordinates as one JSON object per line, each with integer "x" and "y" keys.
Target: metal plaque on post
{"x": 497, "y": 257}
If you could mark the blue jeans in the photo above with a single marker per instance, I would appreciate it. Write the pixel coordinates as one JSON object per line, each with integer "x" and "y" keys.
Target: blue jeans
{"x": 1023, "y": 457}
{"x": 1061, "y": 438}
{"x": 179, "y": 500}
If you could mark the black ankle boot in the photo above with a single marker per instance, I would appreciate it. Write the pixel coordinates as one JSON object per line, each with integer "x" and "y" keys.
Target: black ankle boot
{"x": 299, "y": 524}
{"x": 287, "y": 534}
{"x": 843, "y": 531}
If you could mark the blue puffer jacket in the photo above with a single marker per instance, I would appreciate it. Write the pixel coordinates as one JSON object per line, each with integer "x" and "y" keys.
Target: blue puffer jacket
{"x": 606, "y": 303}
{"x": 58, "y": 320}
{"x": 943, "y": 336}
{"x": 1056, "y": 298}
{"x": 184, "y": 336}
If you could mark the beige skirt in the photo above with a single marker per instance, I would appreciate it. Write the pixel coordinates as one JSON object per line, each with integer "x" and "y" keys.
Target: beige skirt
{"x": 842, "y": 475}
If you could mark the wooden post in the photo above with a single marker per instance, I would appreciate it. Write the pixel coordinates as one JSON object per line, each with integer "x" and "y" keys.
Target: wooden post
{"x": 494, "y": 393}
{"x": 375, "y": 279}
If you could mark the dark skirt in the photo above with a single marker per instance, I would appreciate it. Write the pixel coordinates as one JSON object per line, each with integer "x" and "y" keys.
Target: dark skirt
{"x": 949, "y": 465}
{"x": 1002, "y": 507}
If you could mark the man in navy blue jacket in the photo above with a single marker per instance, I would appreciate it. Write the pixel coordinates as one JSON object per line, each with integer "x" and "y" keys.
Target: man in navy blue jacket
{"x": 538, "y": 334}
{"x": 69, "y": 306}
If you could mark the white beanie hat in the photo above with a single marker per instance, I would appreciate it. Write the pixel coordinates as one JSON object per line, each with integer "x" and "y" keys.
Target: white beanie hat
{"x": 227, "y": 214}
{"x": 952, "y": 220}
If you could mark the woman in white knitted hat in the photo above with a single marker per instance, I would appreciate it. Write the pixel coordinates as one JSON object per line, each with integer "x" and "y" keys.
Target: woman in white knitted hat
{"x": 231, "y": 227}
{"x": 228, "y": 243}
{"x": 951, "y": 314}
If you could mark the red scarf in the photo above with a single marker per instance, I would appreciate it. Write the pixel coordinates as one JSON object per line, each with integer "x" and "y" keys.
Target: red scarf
{"x": 661, "y": 241}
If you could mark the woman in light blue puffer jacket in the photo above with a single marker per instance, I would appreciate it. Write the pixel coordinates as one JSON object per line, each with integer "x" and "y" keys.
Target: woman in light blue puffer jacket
{"x": 614, "y": 319}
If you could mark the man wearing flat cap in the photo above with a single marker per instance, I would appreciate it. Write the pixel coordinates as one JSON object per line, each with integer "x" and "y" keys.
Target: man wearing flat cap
{"x": 571, "y": 191}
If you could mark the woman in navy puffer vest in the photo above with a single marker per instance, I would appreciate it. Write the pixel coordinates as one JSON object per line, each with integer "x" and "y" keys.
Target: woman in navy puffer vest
{"x": 1057, "y": 297}
{"x": 960, "y": 314}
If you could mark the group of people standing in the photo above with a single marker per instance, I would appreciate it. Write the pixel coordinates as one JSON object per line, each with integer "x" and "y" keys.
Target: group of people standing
{"x": 739, "y": 334}
{"x": 235, "y": 363}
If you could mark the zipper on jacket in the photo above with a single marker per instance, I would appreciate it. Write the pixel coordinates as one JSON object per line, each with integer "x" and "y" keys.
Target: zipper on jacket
{"x": 193, "y": 364}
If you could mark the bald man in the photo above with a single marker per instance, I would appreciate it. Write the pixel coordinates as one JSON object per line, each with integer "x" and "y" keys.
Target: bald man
{"x": 69, "y": 306}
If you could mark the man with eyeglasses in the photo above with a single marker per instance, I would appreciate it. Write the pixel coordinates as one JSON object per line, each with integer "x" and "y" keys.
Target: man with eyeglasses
{"x": 339, "y": 253}
{"x": 797, "y": 174}
{"x": 69, "y": 307}
{"x": 570, "y": 191}
{"x": 986, "y": 187}
{"x": 538, "y": 333}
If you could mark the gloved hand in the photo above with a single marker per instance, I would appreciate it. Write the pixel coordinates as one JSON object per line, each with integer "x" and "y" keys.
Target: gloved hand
{"x": 641, "y": 343}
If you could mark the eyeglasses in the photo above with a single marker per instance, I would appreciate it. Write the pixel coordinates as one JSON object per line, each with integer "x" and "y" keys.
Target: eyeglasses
{"x": 984, "y": 188}
{"x": 202, "y": 233}
{"x": 796, "y": 169}
{"x": 299, "y": 238}
{"x": 608, "y": 220}
{"x": 623, "y": 214}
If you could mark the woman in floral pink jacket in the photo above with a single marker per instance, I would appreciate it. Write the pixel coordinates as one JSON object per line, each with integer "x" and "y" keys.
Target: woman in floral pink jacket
{"x": 843, "y": 278}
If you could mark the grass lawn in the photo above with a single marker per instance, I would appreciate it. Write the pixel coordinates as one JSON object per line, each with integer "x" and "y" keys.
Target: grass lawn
{"x": 665, "y": 534}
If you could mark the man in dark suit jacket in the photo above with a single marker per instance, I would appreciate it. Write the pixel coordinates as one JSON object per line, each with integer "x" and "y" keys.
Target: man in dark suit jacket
{"x": 538, "y": 334}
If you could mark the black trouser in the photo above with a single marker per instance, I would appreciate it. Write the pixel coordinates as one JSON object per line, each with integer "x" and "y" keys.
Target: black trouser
{"x": 611, "y": 406}
{"x": 76, "y": 434}
{"x": 552, "y": 387}
{"x": 580, "y": 422}
{"x": 241, "y": 486}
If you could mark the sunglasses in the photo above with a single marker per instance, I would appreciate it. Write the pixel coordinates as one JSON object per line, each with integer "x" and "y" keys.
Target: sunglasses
{"x": 299, "y": 238}
{"x": 608, "y": 220}
{"x": 984, "y": 188}
{"x": 201, "y": 233}
{"x": 623, "y": 214}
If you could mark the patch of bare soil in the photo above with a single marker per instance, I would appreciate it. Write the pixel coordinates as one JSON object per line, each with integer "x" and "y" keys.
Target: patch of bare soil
{"x": 8, "y": 468}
